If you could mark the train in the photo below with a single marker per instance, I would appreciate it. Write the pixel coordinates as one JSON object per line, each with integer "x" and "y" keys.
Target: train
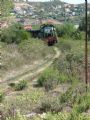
{"x": 47, "y": 33}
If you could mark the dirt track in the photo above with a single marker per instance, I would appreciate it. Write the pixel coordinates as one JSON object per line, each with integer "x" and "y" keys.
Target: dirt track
{"x": 31, "y": 75}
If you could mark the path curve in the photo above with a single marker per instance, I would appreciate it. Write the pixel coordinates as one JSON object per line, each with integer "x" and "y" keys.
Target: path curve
{"x": 33, "y": 76}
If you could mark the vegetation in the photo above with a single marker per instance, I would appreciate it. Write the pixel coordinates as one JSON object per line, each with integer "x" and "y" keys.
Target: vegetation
{"x": 21, "y": 85}
{"x": 71, "y": 62}
{"x": 65, "y": 30}
{"x": 14, "y": 34}
{"x": 65, "y": 116}
{"x": 69, "y": 31}
{"x": 60, "y": 92}
{"x": 67, "y": 68}
{"x": 1, "y": 97}
{"x": 82, "y": 25}
{"x": 49, "y": 79}
{"x": 18, "y": 49}
{"x": 6, "y": 7}
{"x": 18, "y": 116}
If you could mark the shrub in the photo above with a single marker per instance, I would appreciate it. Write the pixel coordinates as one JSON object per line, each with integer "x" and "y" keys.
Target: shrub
{"x": 51, "y": 104}
{"x": 14, "y": 34}
{"x": 63, "y": 78}
{"x": 71, "y": 61}
{"x": 67, "y": 96}
{"x": 65, "y": 30}
{"x": 83, "y": 107}
{"x": 82, "y": 103}
{"x": 12, "y": 84}
{"x": 77, "y": 35}
{"x": 1, "y": 97}
{"x": 75, "y": 116}
{"x": 49, "y": 79}
{"x": 21, "y": 85}
{"x": 69, "y": 67}
{"x": 46, "y": 105}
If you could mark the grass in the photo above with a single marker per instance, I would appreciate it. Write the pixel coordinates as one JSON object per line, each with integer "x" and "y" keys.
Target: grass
{"x": 49, "y": 79}
{"x": 1, "y": 97}
{"x": 72, "y": 58}
{"x": 26, "y": 53}
{"x": 25, "y": 101}
{"x": 67, "y": 69}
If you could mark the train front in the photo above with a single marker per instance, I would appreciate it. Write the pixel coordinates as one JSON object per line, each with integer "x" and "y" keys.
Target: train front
{"x": 50, "y": 35}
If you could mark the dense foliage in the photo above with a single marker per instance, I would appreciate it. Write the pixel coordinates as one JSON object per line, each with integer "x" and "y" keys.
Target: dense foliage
{"x": 82, "y": 25}
{"x": 14, "y": 34}
{"x": 68, "y": 30}
{"x": 65, "y": 30}
{"x": 6, "y": 7}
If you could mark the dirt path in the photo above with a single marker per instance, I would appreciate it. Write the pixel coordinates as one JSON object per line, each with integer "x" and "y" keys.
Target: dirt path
{"x": 31, "y": 75}
{"x": 41, "y": 69}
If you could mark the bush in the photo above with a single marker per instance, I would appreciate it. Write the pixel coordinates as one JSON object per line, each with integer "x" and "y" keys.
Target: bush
{"x": 51, "y": 104}
{"x": 83, "y": 107}
{"x": 1, "y": 97}
{"x": 65, "y": 30}
{"x": 70, "y": 63}
{"x": 77, "y": 35}
{"x": 49, "y": 79}
{"x": 67, "y": 96}
{"x": 12, "y": 84}
{"x": 21, "y": 85}
{"x": 83, "y": 24}
{"x": 82, "y": 103}
{"x": 64, "y": 78}
{"x": 14, "y": 34}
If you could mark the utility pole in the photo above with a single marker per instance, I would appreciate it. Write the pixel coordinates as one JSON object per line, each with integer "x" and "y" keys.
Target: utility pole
{"x": 86, "y": 48}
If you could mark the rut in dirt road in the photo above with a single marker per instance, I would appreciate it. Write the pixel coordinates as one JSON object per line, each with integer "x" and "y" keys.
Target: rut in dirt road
{"x": 33, "y": 76}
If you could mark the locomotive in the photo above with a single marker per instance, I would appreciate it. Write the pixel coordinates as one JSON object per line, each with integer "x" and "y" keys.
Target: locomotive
{"x": 47, "y": 33}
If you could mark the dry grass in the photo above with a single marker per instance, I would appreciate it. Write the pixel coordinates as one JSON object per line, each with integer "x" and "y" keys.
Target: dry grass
{"x": 19, "y": 58}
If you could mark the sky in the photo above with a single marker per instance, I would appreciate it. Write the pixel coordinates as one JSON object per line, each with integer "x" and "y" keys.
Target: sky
{"x": 68, "y": 1}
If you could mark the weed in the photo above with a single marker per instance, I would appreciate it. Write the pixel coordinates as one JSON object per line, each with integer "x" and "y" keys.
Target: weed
{"x": 21, "y": 85}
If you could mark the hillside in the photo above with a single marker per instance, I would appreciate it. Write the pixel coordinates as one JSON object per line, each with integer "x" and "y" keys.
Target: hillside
{"x": 58, "y": 10}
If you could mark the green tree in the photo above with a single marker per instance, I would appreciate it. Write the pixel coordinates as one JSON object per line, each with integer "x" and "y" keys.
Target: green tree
{"x": 82, "y": 25}
{"x": 5, "y": 7}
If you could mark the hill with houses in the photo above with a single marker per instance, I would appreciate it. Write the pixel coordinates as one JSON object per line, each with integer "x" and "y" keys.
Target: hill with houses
{"x": 56, "y": 9}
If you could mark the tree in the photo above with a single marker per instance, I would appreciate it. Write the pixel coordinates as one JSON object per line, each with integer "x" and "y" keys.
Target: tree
{"x": 6, "y": 6}
{"x": 82, "y": 25}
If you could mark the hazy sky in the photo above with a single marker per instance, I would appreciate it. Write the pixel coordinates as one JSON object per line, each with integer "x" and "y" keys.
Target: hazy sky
{"x": 69, "y": 1}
